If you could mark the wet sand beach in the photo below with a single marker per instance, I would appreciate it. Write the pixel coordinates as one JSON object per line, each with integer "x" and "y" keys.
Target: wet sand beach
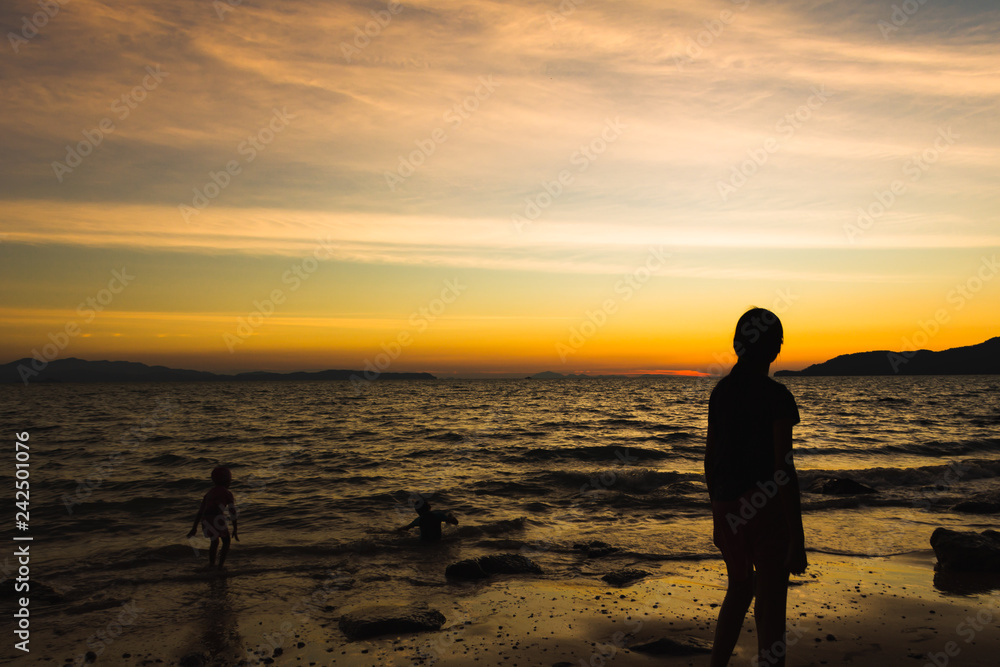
{"x": 857, "y": 611}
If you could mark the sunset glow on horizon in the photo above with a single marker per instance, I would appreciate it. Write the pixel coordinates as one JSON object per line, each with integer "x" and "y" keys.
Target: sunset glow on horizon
{"x": 496, "y": 188}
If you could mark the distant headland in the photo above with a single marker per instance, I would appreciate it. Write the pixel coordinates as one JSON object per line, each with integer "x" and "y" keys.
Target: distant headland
{"x": 980, "y": 359}
{"x": 80, "y": 370}
{"x": 552, "y": 375}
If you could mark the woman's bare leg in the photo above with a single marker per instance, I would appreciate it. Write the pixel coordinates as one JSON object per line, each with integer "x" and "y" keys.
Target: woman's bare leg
{"x": 730, "y": 623}
{"x": 769, "y": 614}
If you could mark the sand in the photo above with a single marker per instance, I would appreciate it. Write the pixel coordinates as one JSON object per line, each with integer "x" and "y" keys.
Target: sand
{"x": 873, "y": 611}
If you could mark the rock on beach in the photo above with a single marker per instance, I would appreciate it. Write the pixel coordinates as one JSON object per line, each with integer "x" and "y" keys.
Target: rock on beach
{"x": 484, "y": 566}
{"x": 389, "y": 620}
{"x": 966, "y": 551}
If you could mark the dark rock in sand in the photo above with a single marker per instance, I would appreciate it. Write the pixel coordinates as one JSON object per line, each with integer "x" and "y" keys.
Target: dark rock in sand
{"x": 193, "y": 660}
{"x": 839, "y": 486}
{"x": 665, "y": 646}
{"x": 624, "y": 577}
{"x": 479, "y": 568}
{"x": 509, "y": 564}
{"x": 596, "y": 549}
{"x": 966, "y": 551}
{"x": 593, "y": 544}
{"x": 466, "y": 569}
{"x": 389, "y": 620}
{"x": 977, "y": 507}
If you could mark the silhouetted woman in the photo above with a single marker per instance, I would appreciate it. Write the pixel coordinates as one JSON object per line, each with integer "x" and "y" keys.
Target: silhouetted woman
{"x": 757, "y": 519}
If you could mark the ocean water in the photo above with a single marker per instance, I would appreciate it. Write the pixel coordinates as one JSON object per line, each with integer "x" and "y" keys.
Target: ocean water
{"x": 323, "y": 474}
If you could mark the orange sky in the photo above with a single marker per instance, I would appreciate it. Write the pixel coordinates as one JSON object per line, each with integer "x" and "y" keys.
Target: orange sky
{"x": 495, "y": 188}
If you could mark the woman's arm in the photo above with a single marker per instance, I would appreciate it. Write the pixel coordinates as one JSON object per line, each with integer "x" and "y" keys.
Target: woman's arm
{"x": 788, "y": 494}
{"x": 711, "y": 447}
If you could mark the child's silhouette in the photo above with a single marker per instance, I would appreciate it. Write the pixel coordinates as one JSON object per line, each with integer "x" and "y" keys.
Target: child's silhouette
{"x": 429, "y": 521}
{"x": 754, "y": 490}
{"x": 215, "y": 506}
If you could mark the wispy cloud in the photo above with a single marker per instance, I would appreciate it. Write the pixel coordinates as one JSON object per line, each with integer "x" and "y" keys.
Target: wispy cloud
{"x": 396, "y": 149}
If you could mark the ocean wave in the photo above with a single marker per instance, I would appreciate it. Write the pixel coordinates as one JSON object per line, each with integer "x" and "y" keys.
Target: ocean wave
{"x": 620, "y": 421}
{"x": 508, "y": 488}
{"x": 942, "y": 475}
{"x": 632, "y": 480}
{"x": 172, "y": 460}
{"x": 936, "y": 448}
{"x": 594, "y": 453}
{"x": 946, "y": 447}
{"x": 498, "y": 527}
{"x": 447, "y": 436}
{"x": 677, "y": 436}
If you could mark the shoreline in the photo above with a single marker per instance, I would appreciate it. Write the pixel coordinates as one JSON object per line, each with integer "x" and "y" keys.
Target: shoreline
{"x": 844, "y": 610}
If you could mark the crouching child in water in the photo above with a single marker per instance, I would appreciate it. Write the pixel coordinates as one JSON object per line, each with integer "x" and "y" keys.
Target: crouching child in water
{"x": 754, "y": 490}
{"x": 429, "y": 521}
{"x": 216, "y": 506}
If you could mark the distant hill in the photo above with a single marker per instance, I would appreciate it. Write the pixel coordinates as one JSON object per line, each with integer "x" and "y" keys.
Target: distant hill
{"x": 552, "y": 375}
{"x": 81, "y": 370}
{"x": 981, "y": 359}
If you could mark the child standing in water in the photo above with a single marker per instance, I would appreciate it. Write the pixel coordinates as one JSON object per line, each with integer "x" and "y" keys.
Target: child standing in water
{"x": 756, "y": 507}
{"x": 215, "y": 506}
{"x": 429, "y": 521}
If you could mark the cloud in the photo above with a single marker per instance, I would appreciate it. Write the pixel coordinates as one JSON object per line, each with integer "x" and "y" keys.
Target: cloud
{"x": 698, "y": 89}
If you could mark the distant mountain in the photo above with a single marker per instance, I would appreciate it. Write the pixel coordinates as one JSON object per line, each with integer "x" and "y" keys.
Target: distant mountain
{"x": 552, "y": 375}
{"x": 981, "y": 359}
{"x": 80, "y": 370}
